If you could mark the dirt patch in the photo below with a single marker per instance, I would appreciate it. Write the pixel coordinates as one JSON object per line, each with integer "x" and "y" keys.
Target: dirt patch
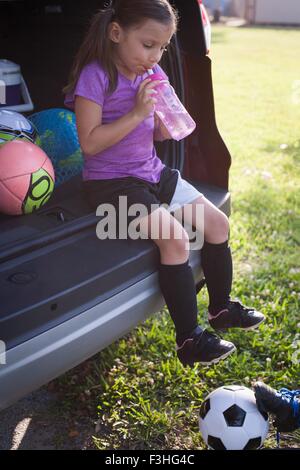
{"x": 35, "y": 423}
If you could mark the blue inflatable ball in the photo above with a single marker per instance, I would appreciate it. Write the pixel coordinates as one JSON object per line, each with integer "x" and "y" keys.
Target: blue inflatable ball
{"x": 59, "y": 140}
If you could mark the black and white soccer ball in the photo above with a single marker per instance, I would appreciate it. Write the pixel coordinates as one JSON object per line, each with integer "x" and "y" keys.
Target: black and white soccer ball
{"x": 230, "y": 420}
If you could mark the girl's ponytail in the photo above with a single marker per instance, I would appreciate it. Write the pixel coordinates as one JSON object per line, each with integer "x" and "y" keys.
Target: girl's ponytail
{"x": 91, "y": 48}
{"x": 97, "y": 45}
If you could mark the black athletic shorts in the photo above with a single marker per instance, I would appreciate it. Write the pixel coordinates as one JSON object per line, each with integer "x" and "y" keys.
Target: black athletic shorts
{"x": 138, "y": 191}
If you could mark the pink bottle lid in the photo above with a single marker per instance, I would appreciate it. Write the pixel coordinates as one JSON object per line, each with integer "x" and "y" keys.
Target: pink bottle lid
{"x": 157, "y": 76}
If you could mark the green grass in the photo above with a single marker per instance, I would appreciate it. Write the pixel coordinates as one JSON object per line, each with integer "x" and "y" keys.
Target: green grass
{"x": 144, "y": 397}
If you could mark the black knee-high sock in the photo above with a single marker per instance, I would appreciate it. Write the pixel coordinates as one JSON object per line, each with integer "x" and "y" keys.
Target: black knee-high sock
{"x": 178, "y": 287}
{"x": 217, "y": 268}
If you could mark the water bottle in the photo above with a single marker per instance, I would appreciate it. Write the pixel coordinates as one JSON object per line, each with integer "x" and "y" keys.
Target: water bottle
{"x": 170, "y": 110}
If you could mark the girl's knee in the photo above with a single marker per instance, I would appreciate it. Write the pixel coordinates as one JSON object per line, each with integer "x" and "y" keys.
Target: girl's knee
{"x": 175, "y": 250}
{"x": 181, "y": 244}
{"x": 218, "y": 231}
{"x": 222, "y": 227}
{"x": 174, "y": 239}
{"x": 225, "y": 224}
{"x": 178, "y": 241}
{"x": 169, "y": 235}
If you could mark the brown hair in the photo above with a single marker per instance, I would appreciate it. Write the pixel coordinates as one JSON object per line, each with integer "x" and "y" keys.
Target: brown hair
{"x": 97, "y": 46}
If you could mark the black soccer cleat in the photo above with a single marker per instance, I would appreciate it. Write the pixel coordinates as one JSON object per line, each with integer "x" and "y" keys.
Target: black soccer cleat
{"x": 283, "y": 405}
{"x": 205, "y": 348}
{"x": 236, "y": 315}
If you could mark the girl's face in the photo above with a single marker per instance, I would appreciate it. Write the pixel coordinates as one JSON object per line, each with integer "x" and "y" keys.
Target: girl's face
{"x": 140, "y": 48}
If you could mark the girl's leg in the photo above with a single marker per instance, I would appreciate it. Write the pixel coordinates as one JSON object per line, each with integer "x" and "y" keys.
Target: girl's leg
{"x": 175, "y": 275}
{"x": 216, "y": 254}
{"x": 178, "y": 287}
{"x": 217, "y": 267}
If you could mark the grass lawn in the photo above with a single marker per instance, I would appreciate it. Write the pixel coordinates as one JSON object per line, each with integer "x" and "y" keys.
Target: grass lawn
{"x": 145, "y": 398}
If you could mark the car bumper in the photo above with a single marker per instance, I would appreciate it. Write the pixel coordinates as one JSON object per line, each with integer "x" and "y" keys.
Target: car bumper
{"x": 41, "y": 359}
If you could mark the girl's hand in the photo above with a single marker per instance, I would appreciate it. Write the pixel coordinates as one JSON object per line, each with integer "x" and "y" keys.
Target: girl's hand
{"x": 145, "y": 102}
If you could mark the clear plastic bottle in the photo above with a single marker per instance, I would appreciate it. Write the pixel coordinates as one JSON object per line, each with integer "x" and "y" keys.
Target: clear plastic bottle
{"x": 170, "y": 110}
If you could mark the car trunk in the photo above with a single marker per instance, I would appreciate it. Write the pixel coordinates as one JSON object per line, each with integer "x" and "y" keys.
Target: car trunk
{"x": 52, "y": 265}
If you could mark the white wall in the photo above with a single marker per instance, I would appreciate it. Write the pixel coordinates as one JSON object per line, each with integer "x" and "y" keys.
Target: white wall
{"x": 238, "y": 8}
{"x": 277, "y": 11}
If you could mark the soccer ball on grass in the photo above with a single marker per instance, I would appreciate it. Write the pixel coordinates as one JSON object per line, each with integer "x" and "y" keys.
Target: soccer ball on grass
{"x": 230, "y": 420}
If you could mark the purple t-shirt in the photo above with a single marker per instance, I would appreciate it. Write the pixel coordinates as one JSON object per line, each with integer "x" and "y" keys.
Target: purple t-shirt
{"x": 135, "y": 155}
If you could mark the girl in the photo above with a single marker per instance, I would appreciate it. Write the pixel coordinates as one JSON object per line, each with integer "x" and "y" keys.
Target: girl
{"x": 114, "y": 102}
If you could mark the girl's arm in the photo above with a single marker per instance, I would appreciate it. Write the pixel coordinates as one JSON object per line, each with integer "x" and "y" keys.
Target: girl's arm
{"x": 95, "y": 137}
{"x": 160, "y": 131}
